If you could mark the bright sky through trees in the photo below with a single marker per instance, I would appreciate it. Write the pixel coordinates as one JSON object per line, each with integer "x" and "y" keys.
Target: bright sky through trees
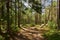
{"x": 45, "y": 3}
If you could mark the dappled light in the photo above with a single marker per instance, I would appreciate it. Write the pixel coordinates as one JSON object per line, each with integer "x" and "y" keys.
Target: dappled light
{"x": 29, "y": 20}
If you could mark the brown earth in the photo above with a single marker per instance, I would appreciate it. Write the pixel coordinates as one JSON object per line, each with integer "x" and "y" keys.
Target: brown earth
{"x": 30, "y": 33}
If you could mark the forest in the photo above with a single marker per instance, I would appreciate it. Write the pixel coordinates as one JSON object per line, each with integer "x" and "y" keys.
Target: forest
{"x": 29, "y": 20}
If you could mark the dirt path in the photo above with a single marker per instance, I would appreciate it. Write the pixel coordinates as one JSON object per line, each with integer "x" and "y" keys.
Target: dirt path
{"x": 30, "y": 34}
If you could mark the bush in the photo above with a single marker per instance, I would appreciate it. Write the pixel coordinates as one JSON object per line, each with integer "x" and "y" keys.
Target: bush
{"x": 32, "y": 25}
{"x": 1, "y": 38}
{"x": 52, "y": 35}
{"x": 14, "y": 28}
{"x": 52, "y": 24}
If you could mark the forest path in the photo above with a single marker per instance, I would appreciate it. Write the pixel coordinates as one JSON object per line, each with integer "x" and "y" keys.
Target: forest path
{"x": 31, "y": 33}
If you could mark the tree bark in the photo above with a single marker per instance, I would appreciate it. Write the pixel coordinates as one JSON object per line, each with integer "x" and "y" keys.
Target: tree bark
{"x": 19, "y": 13}
{"x": 58, "y": 14}
{"x": 36, "y": 18}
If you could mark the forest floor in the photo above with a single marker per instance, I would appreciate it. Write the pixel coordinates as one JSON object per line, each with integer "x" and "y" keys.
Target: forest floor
{"x": 31, "y": 33}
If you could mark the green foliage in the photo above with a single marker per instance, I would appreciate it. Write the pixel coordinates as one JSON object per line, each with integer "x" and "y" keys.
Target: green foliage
{"x": 32, "y": 24}
{"x": 26, "y": 16}
{"x": 29, "y": 25}
{"x": 55, "y": 3}
{"x": 37, "y": 6}
{"x": 52, "y": 24}
{"x": 52, "y": 35}
{"x": 1, "y": 38}
{"x": 3, "y": 28}
{"x": 14, "y": 28}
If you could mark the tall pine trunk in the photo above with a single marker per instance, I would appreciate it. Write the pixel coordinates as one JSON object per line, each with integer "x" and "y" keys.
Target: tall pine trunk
{"x": 58, "y": 14}
{"x": 19, "y": 12}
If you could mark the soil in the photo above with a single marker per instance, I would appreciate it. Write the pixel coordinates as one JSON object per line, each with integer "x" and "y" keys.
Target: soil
{"x": 31, "y": 33}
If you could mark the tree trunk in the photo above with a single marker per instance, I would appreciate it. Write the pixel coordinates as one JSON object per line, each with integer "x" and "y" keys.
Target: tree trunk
{"x": 58, "y": 14}
{"x": 8, "y": 21}
{"x": 36, "y": 18}
{"x": 19, "y": 13}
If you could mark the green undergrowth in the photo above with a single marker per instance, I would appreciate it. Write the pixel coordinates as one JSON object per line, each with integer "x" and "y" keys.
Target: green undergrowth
{"x": 1, "y": 37}
{"x": 52, "y": 35}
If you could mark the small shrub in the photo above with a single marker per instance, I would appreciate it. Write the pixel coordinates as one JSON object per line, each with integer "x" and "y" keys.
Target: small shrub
{"x": 52, "y": 24}
{"x": 14, "y": 28}
{"x": 1, "y": 38}
{"x": 52, "y": 35}
{"x": 32, "y": 25}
